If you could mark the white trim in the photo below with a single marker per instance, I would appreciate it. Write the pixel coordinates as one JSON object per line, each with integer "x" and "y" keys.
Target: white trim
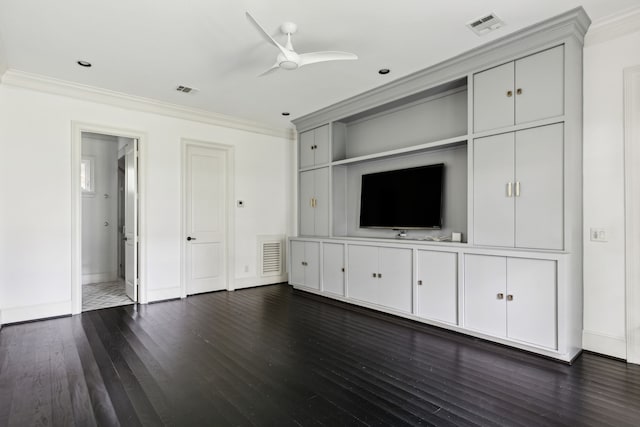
{"x": 77, "y": 128}
{"x": 612, "y": 27}
{"x": 109, "y": 276}
{"x": 632, "y": 210}
{"x": 230, "y": 218}
{"x": 249, "y": 282}
{"x": 154, "y": 295}
{"x": 604, "y": 344}
{"x": 35, "y": 312}
{"x": 90, "y": 93}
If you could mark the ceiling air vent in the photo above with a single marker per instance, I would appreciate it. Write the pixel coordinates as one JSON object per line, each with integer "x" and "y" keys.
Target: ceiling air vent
{"x": 485, "y": 24}
{"x": 185, "y": 89}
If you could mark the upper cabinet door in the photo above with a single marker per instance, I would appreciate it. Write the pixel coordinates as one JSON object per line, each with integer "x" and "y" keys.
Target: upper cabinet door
{"x": 539, "y": 88}
{"x": 307, "y": 141}
{"x": 523, "y": 91}
{"x": 493, "y": 190}
{"x": 539, "y": 188}
{"x": 493, "y": 98}
{"x": 314, "y": 147}
{"x": 321, "y": 150}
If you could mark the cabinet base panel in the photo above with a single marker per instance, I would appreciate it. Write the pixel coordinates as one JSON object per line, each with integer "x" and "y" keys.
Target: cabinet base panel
{"x": 426, "y": 325}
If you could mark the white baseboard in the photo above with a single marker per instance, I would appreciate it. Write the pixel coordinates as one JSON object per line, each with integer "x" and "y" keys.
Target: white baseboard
{"x": 249, "y": 282}
{"x": 604, "y": 344}
{"x": 110, "y": 276}
{"x": 162, "y": 294}
{"x": 35, "y": 312}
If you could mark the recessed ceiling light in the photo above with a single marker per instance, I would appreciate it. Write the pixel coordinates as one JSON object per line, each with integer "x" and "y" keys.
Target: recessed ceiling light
{"x": 384, "y": 71}
{"x": 286, "y": 113}
{"x": 85, "y": 64}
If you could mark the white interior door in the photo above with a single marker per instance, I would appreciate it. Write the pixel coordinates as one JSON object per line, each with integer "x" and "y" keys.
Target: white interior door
{"x": 205, "y": 221}
{"x": 131, "y": 220}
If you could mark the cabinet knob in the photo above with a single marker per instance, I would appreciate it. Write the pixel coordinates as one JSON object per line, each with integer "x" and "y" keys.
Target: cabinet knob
{"x": 500, "y": 296}
{"x": 519, "y": 91}
{"x": 420, "y": 282}
{"x": 509, "y": 94}
{"x": 374, "y": 275}
{"x": 342, "y": 269}
{"x": 509, "y": 297}
{"x": 379, "y": 276}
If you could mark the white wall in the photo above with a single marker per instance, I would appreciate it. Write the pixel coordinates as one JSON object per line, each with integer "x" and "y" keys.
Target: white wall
{"x": 35, "y": 193}
{"x": 604, "y": 263}
{"x": 99, "y": 250}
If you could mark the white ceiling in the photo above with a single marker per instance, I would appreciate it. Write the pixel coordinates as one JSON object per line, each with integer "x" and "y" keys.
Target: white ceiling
{"x": 148, "y": 47}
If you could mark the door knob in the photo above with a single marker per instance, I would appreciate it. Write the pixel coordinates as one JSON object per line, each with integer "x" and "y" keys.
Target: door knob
{"x": 190, "y": 238}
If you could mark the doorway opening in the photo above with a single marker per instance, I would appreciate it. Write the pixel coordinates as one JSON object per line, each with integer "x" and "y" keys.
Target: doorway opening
{"x": 109, "y": 220}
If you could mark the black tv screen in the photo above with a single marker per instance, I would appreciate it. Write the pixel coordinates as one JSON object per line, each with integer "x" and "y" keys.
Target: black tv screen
{"x": 403, "y": 199}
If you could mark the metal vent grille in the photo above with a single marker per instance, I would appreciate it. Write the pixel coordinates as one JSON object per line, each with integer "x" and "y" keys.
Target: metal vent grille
{"x": 485, "y": 24}
{"x": 270, "y": 256}
{"x": 185, "y": 89}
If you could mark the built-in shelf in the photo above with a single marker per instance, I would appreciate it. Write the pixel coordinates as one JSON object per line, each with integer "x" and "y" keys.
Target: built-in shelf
{"x": 420, "y": 148}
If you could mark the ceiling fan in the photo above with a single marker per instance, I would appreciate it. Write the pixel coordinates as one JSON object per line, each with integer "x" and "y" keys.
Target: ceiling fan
{"x": 288, "y": 59}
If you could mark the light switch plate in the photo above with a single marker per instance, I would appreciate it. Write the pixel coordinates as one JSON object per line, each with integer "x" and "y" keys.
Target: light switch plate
{"x": 598, "y": 235}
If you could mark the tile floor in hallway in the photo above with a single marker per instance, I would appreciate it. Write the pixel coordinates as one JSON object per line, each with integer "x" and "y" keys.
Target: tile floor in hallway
{"x": 103, "y": 295}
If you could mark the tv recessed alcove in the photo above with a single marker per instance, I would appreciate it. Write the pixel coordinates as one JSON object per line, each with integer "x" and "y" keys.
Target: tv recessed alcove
{"x": 347, "y": 181}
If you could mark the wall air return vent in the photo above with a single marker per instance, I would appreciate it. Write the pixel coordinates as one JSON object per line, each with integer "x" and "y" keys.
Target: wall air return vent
{"x": 270, "y": 255}
{"x": 485, "y": 24}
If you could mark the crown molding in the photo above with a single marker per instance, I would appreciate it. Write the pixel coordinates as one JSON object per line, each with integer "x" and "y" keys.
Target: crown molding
{"x": 41, "y": 83}
{"x": 572, "y": 24}
{"x": 614, "y": 26}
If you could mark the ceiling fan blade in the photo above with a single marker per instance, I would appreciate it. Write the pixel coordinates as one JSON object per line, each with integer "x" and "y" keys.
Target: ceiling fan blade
{"x": 270, "y": 70}
{"x": 267, "y": 37}
{"x": 313, "y": 57}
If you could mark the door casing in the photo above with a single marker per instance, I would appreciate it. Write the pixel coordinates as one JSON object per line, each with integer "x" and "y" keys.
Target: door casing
{"x": 77, "y": 128}
{"x": 229, "y": 214}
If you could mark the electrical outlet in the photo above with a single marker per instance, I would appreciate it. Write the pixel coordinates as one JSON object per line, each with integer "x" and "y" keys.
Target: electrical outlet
{"x": 598, "y": 235}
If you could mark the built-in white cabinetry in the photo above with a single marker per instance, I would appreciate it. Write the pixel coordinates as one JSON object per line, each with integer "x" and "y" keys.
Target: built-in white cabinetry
{"x": 380, "y": 275}
{"x": 518, "y": 188}
{"x": 437, "y": 286}
{"x": 512, "y": 298}
{"x": 506, "y": 121}
{"x": 333, "y": 268}
{"x": 521, "y": 91}
{"x": 314, "y": 147}
{"x": 305, "y": 264}
{"x": 314, "y": 202}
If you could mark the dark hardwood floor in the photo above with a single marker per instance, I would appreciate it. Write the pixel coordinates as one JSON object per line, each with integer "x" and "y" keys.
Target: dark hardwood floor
{"x": 274, "y": 356}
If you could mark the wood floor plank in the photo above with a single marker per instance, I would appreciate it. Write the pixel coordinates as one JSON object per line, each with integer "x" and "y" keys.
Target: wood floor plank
{"x": 274, "y": 356}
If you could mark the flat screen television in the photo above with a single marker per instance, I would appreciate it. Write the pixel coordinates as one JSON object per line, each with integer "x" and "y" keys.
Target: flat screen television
{"x": 403, "y": 199}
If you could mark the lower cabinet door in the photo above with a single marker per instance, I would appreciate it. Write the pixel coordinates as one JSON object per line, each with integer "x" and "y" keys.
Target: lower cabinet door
{"x": 394, "y": 278}
{"x": 437, "y": 288}
{"x": 531, "y": 301}
{"x": 312, "y": 265}
{"x": 333, "y": 268}
{"x": 297, "y": 263}
{"x": 363, "y": 264}
{"x": 484, "y": 294}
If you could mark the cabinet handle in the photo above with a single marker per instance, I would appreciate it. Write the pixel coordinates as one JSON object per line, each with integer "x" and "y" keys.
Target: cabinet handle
{"x": 509, "y": 297}
{"x": 509, "y": 94}
{"x": 518, "y": 189}
{"x": 420, "y": 282}
{"x": 509, "y": 189}
{"x": 500, "y": 296}
{"x": 519, "y": 91}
